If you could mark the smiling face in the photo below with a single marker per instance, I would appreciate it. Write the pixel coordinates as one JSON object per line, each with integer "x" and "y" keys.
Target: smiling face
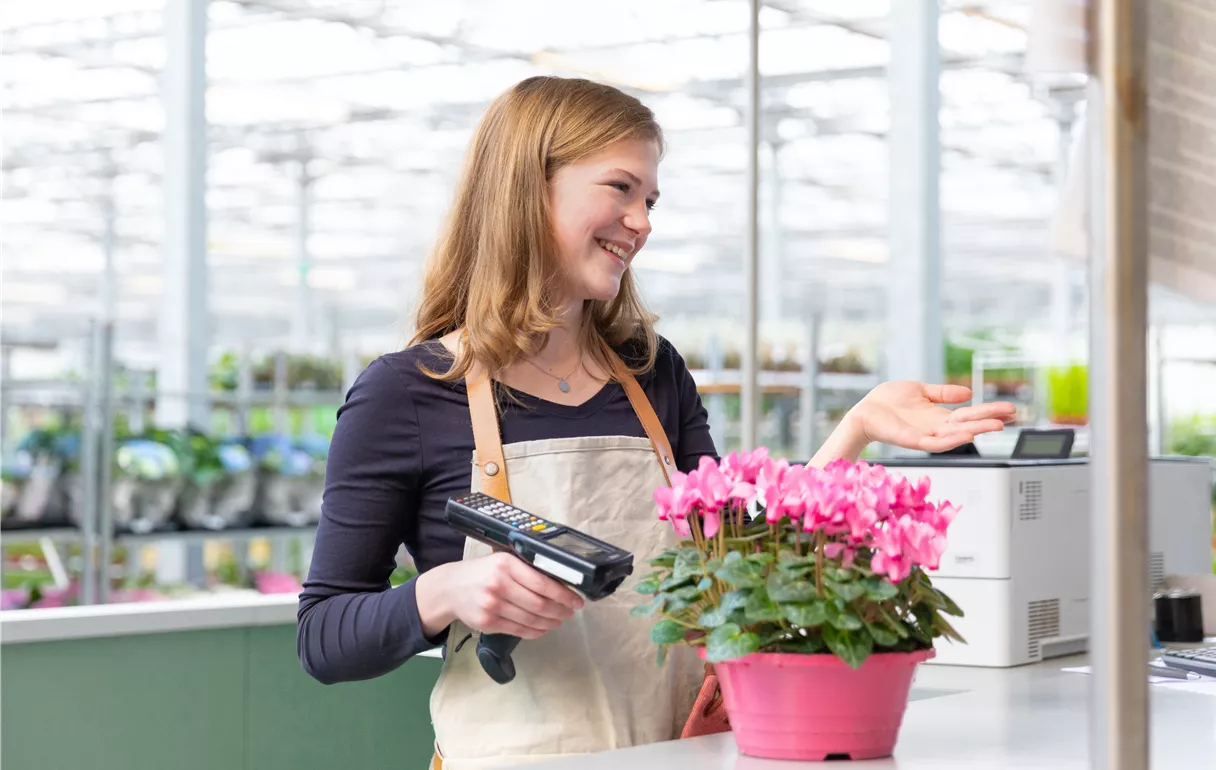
{"x": 600, "y": 209}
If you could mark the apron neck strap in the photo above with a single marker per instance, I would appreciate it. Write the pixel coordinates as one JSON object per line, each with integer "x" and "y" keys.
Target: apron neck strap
{"x": 645, "y": 412}
{"x": 490, "y": 462}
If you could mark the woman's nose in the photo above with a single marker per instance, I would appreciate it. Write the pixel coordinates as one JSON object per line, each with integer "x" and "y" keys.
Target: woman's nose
{"x": 637, "y": 219}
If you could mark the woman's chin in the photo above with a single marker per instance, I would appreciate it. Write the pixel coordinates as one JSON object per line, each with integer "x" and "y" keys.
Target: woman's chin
{"x": 604, "y": 290}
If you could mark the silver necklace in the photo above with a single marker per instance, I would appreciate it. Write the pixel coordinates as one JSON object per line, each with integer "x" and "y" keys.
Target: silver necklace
{"x": 562, "y": 383}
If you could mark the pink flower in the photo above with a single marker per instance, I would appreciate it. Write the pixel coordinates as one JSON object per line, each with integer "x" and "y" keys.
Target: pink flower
{"x": 889, "y": 558}
{"x": 838, "y": 549}
{"x": 715, "y": 489}
{"x": 277, "y": 583}
{"x": 746, "y": 467}
{"x": 772, "y": 474}
{"x": 14, "y": 598}
{"x": 676, "y": 502}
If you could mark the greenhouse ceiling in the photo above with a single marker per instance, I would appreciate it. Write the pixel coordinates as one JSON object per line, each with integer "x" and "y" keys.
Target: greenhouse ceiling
{"x": 336, "y": 129}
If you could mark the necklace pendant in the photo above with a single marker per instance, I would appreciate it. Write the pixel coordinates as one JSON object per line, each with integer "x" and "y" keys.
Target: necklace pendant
{"x": 564, "y": 386}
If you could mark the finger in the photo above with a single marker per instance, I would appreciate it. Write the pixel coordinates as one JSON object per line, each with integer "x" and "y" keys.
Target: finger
{"x": 503, "y": 626}
{"x": 527, "y": 619}
{"x": 943, "y": 443}
{"x": 1001, "y": 410}
{"x": 536, "y": 604}
{"x": 971, "y": 427}
{"x": 547, "y": 587}
{"x": 947, "y": 394}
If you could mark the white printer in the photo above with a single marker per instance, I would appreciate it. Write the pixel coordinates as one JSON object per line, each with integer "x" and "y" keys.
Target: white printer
{"x": 1017, "y": 562}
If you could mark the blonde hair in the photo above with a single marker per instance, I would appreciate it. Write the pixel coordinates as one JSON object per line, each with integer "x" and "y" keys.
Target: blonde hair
{"x": 495, "y": 270}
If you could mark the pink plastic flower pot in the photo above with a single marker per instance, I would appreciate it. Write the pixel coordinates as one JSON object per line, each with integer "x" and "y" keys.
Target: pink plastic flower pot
{"x": 814, "y": 707}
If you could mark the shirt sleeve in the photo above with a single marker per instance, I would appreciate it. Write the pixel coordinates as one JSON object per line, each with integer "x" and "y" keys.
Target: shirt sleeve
{"x": 351, "y": 624}
{"x": 694, "y": 440}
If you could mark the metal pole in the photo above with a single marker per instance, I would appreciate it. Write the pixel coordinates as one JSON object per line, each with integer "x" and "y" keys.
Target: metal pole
{"x": 749, "y": 413}
{"x": 105, "y": 464}
{"x": 184, "y": 322}
{"x": 105, "y": 454}
{"x": 90, "y": 446}
{"x": 1119, "y": 463}
{"x": 915, "y": 345}
{"x": 303, "y": 327}
{"x": 808, "y": 399}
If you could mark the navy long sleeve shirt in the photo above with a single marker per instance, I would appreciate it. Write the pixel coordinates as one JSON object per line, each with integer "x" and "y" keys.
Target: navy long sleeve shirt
{"x": 402, "y": 446}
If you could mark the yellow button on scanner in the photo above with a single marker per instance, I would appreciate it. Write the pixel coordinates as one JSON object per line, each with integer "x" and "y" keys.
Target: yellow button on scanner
{"x": 538, "y": 527}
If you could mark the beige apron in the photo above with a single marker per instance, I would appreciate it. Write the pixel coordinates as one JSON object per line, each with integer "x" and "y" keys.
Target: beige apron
{"x": 593, "y": 684}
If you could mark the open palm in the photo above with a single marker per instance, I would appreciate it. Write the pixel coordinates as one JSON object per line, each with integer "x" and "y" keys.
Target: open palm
{"x": 910, "y": 415}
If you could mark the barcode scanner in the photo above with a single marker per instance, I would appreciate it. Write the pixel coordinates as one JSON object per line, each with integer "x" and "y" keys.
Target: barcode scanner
{"x": 590, "y": 566}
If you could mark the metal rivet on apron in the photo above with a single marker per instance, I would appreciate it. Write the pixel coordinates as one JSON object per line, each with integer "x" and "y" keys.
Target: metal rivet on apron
{"x": 667, "y": 459}
{"x": 491, "y": 469}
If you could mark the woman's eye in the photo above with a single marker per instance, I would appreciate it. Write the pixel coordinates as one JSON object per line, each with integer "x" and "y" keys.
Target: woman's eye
{"x": 622, "y": 186}
{"x": 650, "y": 205}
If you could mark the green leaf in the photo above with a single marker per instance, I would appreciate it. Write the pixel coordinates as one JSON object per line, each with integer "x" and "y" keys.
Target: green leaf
{"x": 924, "y": 617}
{"x": 728, "y": 642}
{"x": 951, "y": 608}
{"x": 943, "y": 627}
{"x": 666, "y": 559}
{"x": 840, "y": 574}
{"x": 851, "y": 647}
{"x": 642, "y": 610}
{"x": 681, "y": 598}
{"x": 845, "y": 620}
{"x": 705, "y": 584}
{"x": 765, "y": 558}
{"x": 687, "y": 594}
{"x": 847, "y": 591}
{"x": 883, "y": 637}
{"x": 761, "y": 609}
{"x": 893, "y": 622}
{"x": 732, "y": 557}
{"x": 713, "y": 617}
{"x": 922, "y": 596}
{"x": 741, "y": 573}
{"x": 688, "y": 564}
{"x": 796, "y": 567}
{"x": 648, "y": 587}
{"x": 748, "y": 537}
{"x": 667, "y": 632}
{"x": 808, "y": 615}
{"x": 782, "y": 587}
{"x": 879, "y": 589}
{"x": 735, "y": 600}
{"x": 674, "y": 582}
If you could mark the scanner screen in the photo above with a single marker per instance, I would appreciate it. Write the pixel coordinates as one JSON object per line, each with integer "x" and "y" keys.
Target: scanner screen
{"x": 576, "y": 545}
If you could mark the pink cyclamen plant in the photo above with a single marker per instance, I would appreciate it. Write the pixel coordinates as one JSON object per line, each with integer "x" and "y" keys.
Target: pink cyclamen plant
{"x": 834, "y": 557}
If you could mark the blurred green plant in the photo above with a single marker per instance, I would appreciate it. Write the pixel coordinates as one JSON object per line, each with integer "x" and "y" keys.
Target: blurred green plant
{"x": 1068, "y": 396}
{"x": 1193, "y": 436}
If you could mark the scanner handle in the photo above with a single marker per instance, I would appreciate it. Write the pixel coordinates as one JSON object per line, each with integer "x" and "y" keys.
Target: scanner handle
{"x": 494, "y": 654}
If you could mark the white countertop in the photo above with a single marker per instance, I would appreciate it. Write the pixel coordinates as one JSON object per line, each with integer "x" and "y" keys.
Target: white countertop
{"x": 228, "y": 610}
{"x": 976, "y": 719}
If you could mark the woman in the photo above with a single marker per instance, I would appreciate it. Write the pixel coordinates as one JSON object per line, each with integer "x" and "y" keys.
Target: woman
{"x": 531, "y": 334}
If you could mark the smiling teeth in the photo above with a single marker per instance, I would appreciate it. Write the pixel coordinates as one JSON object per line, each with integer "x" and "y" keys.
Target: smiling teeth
{"x": 614, "y": 249}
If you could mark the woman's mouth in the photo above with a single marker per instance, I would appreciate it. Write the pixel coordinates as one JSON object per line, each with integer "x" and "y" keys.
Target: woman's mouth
{"x": 616, "y": 252}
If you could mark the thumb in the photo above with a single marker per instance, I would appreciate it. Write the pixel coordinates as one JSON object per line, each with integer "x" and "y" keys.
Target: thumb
{"x": 947, "y": 394}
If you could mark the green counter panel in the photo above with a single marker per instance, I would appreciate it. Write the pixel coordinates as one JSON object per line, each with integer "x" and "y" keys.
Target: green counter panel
{"x": 229, "y": 699}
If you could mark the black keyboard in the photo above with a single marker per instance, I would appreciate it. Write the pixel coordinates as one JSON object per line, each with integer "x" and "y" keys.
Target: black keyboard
{"x": 1201, "y": 660}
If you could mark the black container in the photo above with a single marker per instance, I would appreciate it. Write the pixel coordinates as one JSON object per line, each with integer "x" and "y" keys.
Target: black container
{"x": 1179, "y": 616}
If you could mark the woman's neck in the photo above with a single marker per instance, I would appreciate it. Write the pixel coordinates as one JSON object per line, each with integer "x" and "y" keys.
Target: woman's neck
{"x": 563, "y": 344}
